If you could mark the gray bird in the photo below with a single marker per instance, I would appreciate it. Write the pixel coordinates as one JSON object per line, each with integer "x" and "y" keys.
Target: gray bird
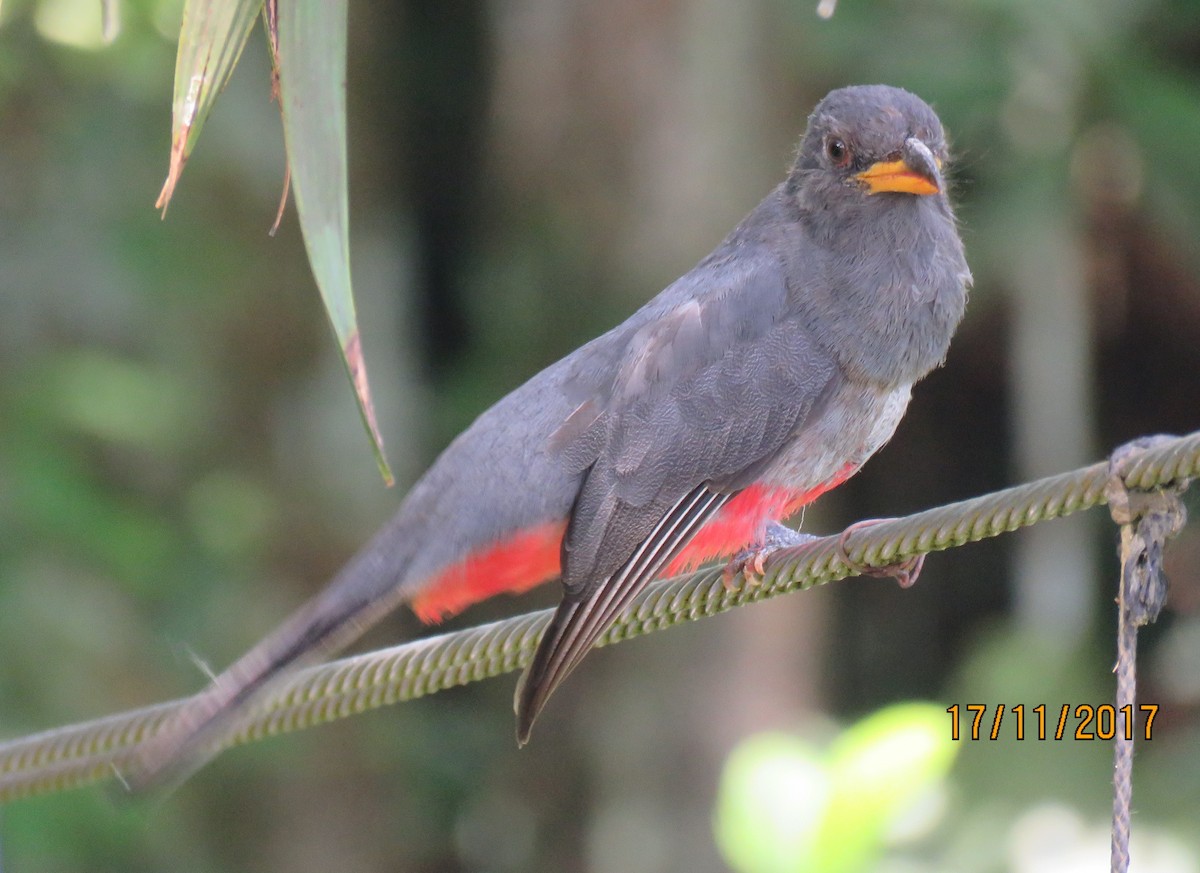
{"x": 757, "y": 381}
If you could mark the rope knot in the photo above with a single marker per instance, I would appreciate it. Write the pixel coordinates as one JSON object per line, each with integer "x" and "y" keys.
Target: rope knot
{"x": 1148, "y": 519}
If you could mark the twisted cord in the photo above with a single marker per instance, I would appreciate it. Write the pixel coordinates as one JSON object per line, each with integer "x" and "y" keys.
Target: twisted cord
{"x": 1148, "y": 518}
{"x": 1123, "y": 744}
{"x": 79, "y": 754}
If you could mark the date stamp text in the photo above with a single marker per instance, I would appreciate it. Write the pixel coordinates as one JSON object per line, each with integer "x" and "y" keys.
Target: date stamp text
{"x": 978, "y": 721}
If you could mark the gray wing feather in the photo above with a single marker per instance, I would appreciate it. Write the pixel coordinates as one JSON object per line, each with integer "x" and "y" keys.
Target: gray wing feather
{"x": 704, "y": 394}
{"x": 577, "y": 624}
{"x": 696, "y": 401}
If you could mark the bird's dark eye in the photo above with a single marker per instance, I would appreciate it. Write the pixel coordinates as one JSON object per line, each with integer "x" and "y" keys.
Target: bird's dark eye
{"x": 838, "y": 152}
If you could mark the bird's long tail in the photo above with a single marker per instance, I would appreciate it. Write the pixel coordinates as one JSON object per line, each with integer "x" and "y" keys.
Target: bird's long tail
{"x": 366, "y": 588}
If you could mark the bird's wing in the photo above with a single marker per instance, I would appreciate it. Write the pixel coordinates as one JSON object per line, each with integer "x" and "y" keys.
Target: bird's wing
{"x": 579, "y": 622}
{"x": 704, "y": 396}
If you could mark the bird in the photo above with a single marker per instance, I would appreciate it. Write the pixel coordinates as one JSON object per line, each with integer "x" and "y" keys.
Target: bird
{"x": 760, "y": 379}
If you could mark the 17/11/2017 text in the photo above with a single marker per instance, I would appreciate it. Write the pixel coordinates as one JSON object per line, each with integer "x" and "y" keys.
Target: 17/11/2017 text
{"x": 1102, "y": 722}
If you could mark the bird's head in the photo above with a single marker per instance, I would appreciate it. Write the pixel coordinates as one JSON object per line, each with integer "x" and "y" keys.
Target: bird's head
{"x": 889, "y": 272}
{"x": 870, "y": 142}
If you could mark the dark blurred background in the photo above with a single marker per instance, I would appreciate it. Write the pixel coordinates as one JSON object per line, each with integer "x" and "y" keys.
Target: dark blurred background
{"x": 181, "y": 462}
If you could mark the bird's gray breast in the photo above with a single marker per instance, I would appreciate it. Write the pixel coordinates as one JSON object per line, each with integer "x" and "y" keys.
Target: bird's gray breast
{"x": 885, "y": 296}
{"x": 854, "y": 423}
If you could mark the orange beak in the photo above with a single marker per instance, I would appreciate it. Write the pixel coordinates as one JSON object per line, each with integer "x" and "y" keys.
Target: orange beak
{"x": 897, "y": 177}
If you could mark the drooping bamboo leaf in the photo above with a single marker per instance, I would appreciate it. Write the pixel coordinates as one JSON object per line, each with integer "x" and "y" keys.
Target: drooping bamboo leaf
{"x": 271, "y": 25}
{"x": 211, "y": 40}
{"x": 312, "y": 85}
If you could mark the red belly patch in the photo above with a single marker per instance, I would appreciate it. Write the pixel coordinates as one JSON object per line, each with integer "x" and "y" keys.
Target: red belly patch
{"x": 533, "y": 556}
{"x": 743, "y": 520}
{"x": 523, "y": 561}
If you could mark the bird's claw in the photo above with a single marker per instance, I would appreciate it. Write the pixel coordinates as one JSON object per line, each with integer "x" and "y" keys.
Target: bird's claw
{"x": 751, "y": 561}
{"x": 904, "y": 572}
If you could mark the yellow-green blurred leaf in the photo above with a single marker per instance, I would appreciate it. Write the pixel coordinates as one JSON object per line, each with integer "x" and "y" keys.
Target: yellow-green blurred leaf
{"x": 880, "y": 769}
{"x": 312, "y": 85}
{"x": 772, "y": 798}
{"x": 211, "y": 40}
{"x": 784, "y": 807}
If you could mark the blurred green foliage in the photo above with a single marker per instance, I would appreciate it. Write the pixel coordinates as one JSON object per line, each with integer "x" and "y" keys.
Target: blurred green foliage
{"x": 181, "y": 461}
{"x": 785, "y": 807}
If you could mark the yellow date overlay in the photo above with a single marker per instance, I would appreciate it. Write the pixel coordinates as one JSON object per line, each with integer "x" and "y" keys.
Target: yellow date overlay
{"x": 979, "y": 721}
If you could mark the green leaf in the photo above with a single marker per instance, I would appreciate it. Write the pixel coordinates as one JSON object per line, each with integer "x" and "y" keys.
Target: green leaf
{"x": 211, "y": 40}
{"x": 784, "y": 807}
{"x": 882, "y": 769}
{"x": 774, "y": 791}
{"x": 312, "y": 85}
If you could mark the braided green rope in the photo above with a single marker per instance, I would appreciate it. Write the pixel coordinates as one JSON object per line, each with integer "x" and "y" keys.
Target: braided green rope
{"x": 76, "y": 755}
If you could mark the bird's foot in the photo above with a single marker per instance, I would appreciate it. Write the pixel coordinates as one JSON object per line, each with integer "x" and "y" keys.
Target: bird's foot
{"x": 905, "y": 572}
{"x": 750, "y": 561}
